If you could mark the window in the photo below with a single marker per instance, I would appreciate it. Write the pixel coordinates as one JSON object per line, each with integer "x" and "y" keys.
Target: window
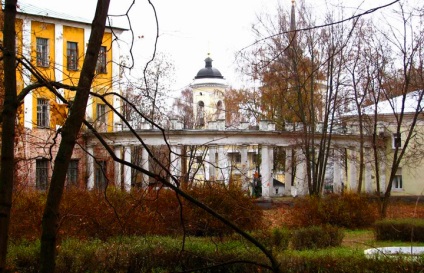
{"x": 41, "y": 174}
{"x": 236, "y": 157}
{"x": 42, "y": 52}
{"x": 101, "y": 112}
{"x": 397, "y": 141}
{"x": 201, "y": 113}
{"x": 219, "y": 105}
{"x": 219, "y": 110}
{"x": 199, "y": 159}
{"x": 397, "y": 183}
{"x": 101, "y": 61}
{"x": 72, "y": 55}
{"x": 254, "y": 158}
{"x": 100, "y": 175}
{"x": 72, "y": 174}
{"x": 43, "y": 113}
{"x": 101, "y": 117}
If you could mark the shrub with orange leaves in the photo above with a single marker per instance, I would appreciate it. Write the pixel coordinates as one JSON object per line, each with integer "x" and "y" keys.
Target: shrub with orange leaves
{"x": 92, "y": 214}
{"x": 348, "y": 210}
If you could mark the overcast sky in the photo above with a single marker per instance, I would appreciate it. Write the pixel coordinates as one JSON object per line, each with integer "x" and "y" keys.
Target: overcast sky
{"x": 189, "y": 29}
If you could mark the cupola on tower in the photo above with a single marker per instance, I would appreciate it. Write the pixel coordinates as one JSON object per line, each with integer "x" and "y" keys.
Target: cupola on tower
{"x": 208, "y": 89}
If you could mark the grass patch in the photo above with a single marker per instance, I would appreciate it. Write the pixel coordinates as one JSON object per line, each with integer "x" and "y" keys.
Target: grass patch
{"x": 167, "y": 253}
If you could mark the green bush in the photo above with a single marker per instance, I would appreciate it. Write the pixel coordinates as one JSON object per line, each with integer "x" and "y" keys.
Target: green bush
{"x": 165, "y": 254}
{"x": 280, "y": 238}
{"x": 325, "y": 261}
{"x": 316, "y": 237}
{"x": 139, "y": 254}
{"x": 408, "y": 230}
{"x": 348, "y": 211}
{"x": 276, "y": 238}
{"x": 24, "y": 255}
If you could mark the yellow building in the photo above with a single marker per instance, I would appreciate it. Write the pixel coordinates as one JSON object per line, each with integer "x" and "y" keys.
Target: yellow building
{"x": 408, "y": 177}
{"x": 54, "y": 45}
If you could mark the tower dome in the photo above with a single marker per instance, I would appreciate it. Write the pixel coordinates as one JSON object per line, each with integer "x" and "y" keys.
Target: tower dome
{"x": 208, "y": 89}
{"x": 208, "y": 71}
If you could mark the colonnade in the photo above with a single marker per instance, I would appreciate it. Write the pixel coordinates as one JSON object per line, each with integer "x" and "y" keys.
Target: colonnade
{"x": 217, "y": 164}
{"x": 343, "y": 166}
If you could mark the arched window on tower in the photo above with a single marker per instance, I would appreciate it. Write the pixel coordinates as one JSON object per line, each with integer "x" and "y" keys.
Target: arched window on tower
{"x": 200, "y": 113}
{"x": 219, "y": 110}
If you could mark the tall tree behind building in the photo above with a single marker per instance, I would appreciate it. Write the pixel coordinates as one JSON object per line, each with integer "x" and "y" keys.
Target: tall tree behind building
{"x": 298, "y": 73}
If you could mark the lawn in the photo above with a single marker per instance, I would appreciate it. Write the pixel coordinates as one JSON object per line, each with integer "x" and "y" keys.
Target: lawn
{"x": 281, "y": 214}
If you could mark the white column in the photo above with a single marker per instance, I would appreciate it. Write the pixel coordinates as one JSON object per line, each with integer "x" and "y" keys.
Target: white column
{"x": 244, "y": 168}
{"x": 288, "y": 172}
{"x": 222, "y": 165}
{"x": 212, "y": 163}
{"x": 175, "y": 166}
{"x": 89, "y": 109}
{"x": 87, "y": 33}
{"x": 206, "y": 164}
{"x": 145, "y": 165}
{"x": 383, "y": 172}
{"x": 271, "y": 170}
{"x": 337, "y": 183}
{"x": 117, "y": 122}
{"x": 59, "y": 63}
{"x": 368, "y": 170}
{"x": 353, "y": 180}
{"x": 26, "y": 76}
{"x": 117, "y": 165}
{"x": 116, "y": 55}
{"x": 301, "y": 184}
{"x": 266, "y": 172}
{"x": 127, "y": 169}
{"x": 90, "y": 168}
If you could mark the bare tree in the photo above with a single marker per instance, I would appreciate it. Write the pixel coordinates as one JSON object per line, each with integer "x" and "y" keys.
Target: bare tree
{"x": 182, "y": 109}
{"x": 300, "y": 73}
{"x": 150, "y": 92}
{"x": 399, "y": 87}
{"x": 359, "y": 80}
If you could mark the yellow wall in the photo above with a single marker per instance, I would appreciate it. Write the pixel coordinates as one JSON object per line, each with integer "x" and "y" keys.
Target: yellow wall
{"x": 42, "y": 30}
{"x": 71, "y": 77}
{"x": 103, "y": 84}
{"x": 19, "y": 78}
{"x": 411, "y": 164}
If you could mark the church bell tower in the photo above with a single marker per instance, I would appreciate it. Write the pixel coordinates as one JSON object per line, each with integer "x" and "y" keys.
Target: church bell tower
{"x": 208, "y": 89}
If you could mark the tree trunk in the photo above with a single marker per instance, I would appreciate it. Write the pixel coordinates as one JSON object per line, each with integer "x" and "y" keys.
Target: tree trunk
{"x": 8, "y": 128}
{"x": 70, "y": 131}
{"x": 361, "y": 155}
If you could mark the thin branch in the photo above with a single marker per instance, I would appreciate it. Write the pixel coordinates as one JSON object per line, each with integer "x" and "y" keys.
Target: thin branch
{"x": 321, "y": 26}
